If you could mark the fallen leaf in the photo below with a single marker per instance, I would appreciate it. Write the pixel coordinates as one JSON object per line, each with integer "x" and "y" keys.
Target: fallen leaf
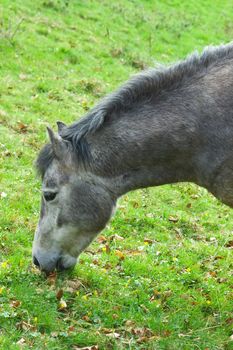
{"x": 15, "y": 303}
{"x": 54, "y": 334}
{"x": 51, "y": 278}
{"x": 229, "y": 244}
{"x": 229, "y": 320}
{"x": 120, "y": 255}
{"x": 22, "y": 127}
{"x": 71, "y": 329}
{"x": 173, "y": 219}
{"x": 21, "y": 342}
{"x": 149, "y": 241}
{"x": 59, "y": 294}
{"x": 129, "y": 323}
{"x": 147, "y": 339}
{"x": 6, "y": 153}
{"x": 101, "y": 239}
{"x": 106, "y": 248}
{"x": 106, "y": 330}
{"x": 212, "y": 273}
{"x": 73, "y": 285}
{"x": 221, "y": 280}
{"x": 218, "y": 257}
{"x": 25, "y": 326}
{"x": 142, "y": 332}
{"x": 95, "y": 261}
{"x": 113, "y": 335}
{"x": 166, "y": 333}
{"x": 86, "y": 318}
{"x": 62, "y": 305}
{"x": 116, "y": 238}
{"x": 133, "y": 252}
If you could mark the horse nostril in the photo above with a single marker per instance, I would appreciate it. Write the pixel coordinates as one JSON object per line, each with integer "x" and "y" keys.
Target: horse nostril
{"x": 36, "y": 262}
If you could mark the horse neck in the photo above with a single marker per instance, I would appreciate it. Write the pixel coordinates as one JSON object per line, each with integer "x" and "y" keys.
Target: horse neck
{"x": 144, "y": 147}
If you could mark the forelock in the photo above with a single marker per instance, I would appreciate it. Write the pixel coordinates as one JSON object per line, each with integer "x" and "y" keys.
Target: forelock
{"x": 44, "y": 159}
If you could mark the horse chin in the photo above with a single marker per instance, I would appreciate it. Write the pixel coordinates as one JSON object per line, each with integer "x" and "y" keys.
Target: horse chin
{"x": 68, "y": 262}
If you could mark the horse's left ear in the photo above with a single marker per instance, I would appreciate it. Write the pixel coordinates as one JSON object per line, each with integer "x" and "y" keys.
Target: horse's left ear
{"x": 58, "y": 144}
{"x": 60, "y": 126}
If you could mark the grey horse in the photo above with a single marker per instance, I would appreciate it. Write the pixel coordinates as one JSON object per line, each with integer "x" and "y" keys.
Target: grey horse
{"x": 163, "y": 126}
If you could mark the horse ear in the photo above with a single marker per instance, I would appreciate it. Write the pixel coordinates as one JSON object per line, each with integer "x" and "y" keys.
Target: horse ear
{"x": 60, "y": 126}
{"x": 58, "y": 144}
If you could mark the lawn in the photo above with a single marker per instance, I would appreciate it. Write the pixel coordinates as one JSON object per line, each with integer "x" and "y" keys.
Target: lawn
{"x": 160, "y": 275}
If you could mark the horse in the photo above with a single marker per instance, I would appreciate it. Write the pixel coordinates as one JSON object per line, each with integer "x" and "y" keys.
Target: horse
{"x": 166, "y": 125}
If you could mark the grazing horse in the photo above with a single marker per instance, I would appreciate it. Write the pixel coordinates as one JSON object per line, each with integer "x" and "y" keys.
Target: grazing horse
{"x": 163, "y": 126}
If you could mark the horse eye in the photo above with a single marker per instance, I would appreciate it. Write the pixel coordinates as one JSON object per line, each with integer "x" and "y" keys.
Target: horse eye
{"x": 49, "y": 196}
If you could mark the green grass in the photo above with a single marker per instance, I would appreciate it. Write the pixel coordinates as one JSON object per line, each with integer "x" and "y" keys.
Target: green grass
{"x": 172, "y": 291}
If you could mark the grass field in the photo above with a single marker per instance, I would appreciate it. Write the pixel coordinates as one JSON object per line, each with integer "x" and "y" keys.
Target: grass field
{"x": 160, "y": 276}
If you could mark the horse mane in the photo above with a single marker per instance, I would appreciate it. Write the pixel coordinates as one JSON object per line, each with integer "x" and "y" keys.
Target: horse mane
{"x": 142, "y": 86}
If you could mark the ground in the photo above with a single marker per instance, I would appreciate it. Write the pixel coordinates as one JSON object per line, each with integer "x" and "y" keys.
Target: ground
{"x": 160, "y": 276}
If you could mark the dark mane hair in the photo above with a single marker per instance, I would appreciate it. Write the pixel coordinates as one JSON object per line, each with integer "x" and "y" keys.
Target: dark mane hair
{"x": 140, "y": 87}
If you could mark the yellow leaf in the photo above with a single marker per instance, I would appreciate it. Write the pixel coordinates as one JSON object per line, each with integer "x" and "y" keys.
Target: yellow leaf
{"x": 4, "y": 264}
{"x": 62, "y": 305}
{"x": 120, "y": 255}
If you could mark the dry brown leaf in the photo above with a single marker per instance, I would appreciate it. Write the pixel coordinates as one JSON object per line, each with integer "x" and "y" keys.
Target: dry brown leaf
{"x": 135, "y": 204}
{"x": 59, "y": 294}
{"x": 106, "y": 330}
{"x": 147, "y": 339}
{"x": 54, "y": 334}
{"x": 101, "y": 239}
{"x": 166, "y": 333}
{"x": 116, "y": 238}
{"x": 25, "y": 326}
{"x": 21, "y": 342}
{"x": 95, "y": 261}
{"x": 129, "y": 323}
{"x": 113, "y": 335}
{"x": 22, "y": 127}
{"x": 108, "y": 266}
{"x": 120, "y": 255}
{"x": 107, "y": 248}
{"x": 229, "y": 320}
{"x": 86, "y": 318}
{"x": 229, "y": 244}
{"x": 71, "y": 329}
{"x": 51, "y": 278}
{"x": 173, "y": 219}
{"x": 134, "y": 252}
{"x": 218, "y": 257}
{"x": 144, "y": 308}
{"x": 73, "y": 285}
{"x": 15, "y": 303}
{"x": 143, "y": 332}
{"x": 149, "y": 241}
{"x": 221, "y": 280}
